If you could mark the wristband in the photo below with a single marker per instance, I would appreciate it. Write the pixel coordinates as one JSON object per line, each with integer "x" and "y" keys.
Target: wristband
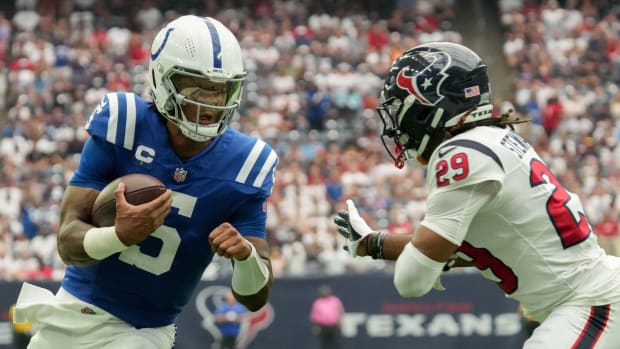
{"x": 374, "y": 248}
{"x": 249, "y": 275}
{"x": 100, "y": 243}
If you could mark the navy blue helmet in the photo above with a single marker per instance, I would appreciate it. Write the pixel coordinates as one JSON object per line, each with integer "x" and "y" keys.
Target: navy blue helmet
{"x": 430, "y": 92}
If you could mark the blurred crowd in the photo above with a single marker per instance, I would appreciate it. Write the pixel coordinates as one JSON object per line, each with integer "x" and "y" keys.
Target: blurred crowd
{"x": 315, "y": 72}
{"x": 565, "y": 56}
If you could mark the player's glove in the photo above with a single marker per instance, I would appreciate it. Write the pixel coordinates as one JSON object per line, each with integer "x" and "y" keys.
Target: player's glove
{"x": 352, "y": 226}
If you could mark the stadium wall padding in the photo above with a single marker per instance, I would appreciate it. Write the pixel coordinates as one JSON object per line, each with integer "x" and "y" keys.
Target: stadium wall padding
{"x": 471, "y": 313}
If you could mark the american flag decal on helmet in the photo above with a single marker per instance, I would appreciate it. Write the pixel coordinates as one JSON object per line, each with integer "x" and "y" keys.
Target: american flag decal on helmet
{"x": 472, "y": 91}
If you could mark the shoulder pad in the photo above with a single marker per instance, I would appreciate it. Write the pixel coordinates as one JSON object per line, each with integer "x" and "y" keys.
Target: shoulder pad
{"x": 114, "y": 119}
{"x": 257, "y": 162}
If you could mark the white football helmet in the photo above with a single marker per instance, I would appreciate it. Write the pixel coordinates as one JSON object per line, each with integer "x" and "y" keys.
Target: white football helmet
{"x": 202, "y": 48}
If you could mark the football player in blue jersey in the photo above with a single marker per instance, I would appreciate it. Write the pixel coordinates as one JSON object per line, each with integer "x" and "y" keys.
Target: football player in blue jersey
{"x": 125, "y": 285}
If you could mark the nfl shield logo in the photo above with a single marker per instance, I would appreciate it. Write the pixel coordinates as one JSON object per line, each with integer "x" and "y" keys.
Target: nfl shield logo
{"x": 180, "y": 175}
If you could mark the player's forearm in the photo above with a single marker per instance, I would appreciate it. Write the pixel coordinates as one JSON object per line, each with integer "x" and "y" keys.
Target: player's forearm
{"x": 74, "y": 215}
{"x": 258, "y": 299}
{"x": 252, "y": 277}
{"x": 71, "y": 243}
{"x": 382, "y": 245}
{"x": 390, "y": 246}
{"x": 255, "y": 301}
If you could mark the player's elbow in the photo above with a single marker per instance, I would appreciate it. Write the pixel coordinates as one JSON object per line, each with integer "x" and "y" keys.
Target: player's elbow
{"x": 255, "y": 306}
{"x": 70, "y": 250}
{"x": 70, "y": 257}
{"x": 255, "y": 301}
{"x": 409, "y": 287}
{"x": 415, "y": 273}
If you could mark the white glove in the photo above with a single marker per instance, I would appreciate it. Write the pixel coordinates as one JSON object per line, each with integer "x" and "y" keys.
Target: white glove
{"x": 352, "y": 226}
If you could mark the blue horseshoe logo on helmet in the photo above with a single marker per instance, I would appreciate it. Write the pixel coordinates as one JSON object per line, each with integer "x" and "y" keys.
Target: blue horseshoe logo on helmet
{"x": 167, "y": 35}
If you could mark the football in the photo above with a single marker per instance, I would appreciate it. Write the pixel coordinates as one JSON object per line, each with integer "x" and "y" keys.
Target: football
{"x": 139, "y": 189}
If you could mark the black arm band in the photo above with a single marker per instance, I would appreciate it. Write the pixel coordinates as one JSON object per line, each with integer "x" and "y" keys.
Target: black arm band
{"x": 375, "y": 245}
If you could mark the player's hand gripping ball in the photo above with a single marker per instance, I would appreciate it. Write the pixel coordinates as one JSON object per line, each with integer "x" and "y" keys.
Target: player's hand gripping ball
{"x": 139, "y": 189}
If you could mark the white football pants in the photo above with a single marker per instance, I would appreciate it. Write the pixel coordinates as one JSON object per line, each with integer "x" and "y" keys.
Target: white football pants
{"x": 578, "y": 327}
{"x": 64, "y": 321}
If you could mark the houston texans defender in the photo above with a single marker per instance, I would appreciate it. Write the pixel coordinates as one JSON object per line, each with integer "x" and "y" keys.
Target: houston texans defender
{"x": 125, "y": 285}
{"x": 492, "y": 203}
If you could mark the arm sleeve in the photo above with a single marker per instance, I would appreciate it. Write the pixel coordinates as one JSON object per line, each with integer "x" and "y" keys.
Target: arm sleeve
{"x": 414, "y": 272}
{"x": 96, "y": 167}
{"x": 449, "y": 213}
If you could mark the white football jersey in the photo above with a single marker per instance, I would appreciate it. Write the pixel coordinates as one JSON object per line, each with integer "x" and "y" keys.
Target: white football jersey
{"x": 532, "y": 238}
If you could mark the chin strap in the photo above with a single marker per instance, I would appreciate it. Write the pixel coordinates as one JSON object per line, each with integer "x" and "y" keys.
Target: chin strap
{"x": 401, "y": 158}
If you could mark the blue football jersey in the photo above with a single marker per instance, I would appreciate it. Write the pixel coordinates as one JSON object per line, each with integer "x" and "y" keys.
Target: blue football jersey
{"x": 148, "y": 284}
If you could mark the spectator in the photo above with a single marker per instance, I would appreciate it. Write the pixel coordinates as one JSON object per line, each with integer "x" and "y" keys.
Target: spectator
{"x": 228, "y": 317}
{"x": 607, "y": 232}
{"x": 551, "y": 115}
{"x": 317, "y": 107}
{"x": 325, "y": 316}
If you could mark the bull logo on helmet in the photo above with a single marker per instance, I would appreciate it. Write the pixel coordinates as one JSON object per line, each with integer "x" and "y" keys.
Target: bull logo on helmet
{"x": 208, "y": 299}
{"x": 426, "y": 83}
